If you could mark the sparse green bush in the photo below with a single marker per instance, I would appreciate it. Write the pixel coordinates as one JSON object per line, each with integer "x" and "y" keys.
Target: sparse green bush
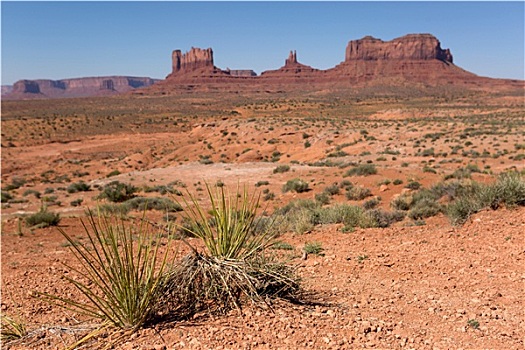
{"x": 163, "y": 190}
{"x": 281, "y": 169}
{"x": 6, "y": 196}
{"x": 295, "y": 185}
{"x": 149, "y": 203}
{"x": 361, "y": 170}
{"x": 269, "y": 196}
{"x": 509, "y": 190}
{"x": 76, "y": 202}
{"x": 282, "y": 246}
{"x": 358, "y": 193}
{"x": 315, "y": 248}
{"x": 113, "y": 173}
{"x": 384, "y": 218}
{"x": 117, "y": 192}
{"x": 349, "y": 215}
{"x": 332, "y": 190}
{"x": 413, "y": 185}
{"x": 16, "y": 183}
{"x": 372, "y": 203}
{"x": 78, "y": 187}
{"x": 323, "y": 198}
{"x": 114, "y": 209}
{"x": 262, "y": 183}
{"x": 43, "y": 218}
{"x": 424, "y": 208}
{"x": 33, "y": 192}
{"x": 401, "y": 202}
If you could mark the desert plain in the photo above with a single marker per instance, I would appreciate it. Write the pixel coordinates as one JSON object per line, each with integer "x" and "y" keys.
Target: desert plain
{"x": 422, "y": 282}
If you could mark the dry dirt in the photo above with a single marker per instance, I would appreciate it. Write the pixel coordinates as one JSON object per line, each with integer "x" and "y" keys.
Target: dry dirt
{"x": 434, "y": 286}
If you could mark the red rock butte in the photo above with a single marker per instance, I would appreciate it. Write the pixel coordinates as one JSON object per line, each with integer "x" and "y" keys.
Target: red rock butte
{"x": 413, "y": 58}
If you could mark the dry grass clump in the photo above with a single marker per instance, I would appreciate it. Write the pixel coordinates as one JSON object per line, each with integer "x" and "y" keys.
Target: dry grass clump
{"x": 11, "y": 329}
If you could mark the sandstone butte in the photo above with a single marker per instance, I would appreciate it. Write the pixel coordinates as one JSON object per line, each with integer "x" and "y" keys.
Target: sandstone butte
{"x": 414, "y": 60}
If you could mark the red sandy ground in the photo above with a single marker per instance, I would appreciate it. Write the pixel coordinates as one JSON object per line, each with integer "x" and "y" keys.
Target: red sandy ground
{"x": 403, "y": 287}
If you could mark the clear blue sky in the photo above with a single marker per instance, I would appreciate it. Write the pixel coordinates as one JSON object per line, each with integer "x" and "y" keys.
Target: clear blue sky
{"x": 54, "y": 40}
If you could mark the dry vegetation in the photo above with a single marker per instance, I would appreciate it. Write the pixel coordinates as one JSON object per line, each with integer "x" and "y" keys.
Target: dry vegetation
{"x": 407, "y": 208}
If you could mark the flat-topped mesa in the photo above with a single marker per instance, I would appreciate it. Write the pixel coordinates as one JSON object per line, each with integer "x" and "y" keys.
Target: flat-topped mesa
{"x": 408, "y": 47}
{"x": 192, "y": 60}
{"x": 240, "y": 72}
{"x": 76, "y": 87}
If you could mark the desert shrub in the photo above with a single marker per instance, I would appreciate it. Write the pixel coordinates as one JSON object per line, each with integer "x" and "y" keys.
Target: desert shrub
{"x": 358, "y": 193}
{"x": 78, "y": 187}
{"x": 429, "y": 152}
{"x": 114, "y": 209}
{"x": 397, "y": 182}
{"x": 149, "y": 203}
{"x": 232, "y": 267}
{"x": 282, "y": 246}
{"x": 461, "y": 209}
{"x": 262, "y": 183}
{"x": 337, "y": 154}
{"x": 302, "y": 221}
{"x": 509, "y": 189}
{"x": 372, "y": 203}
{"x": 295, "y": 185}
{"x": 163, "y": 190}
{"x": 268, "y": 196}
{"x": 383, "y": 218}
{"x": 281, "y": 169}
{"x": 427, "y": 169}
{"x": 315, "y": 248}
{"x": 16, "y": 183}
{"x": 43, "y": 218}
{"x": 346, "y": 185}
{"x": 205, "y": 160}
{"x": 361, "y": 170}
{"x": 28, "y": 192}
{"x": 76, "y": 202}
{"x": 322, "y": 198}
{"x": 113, "y": 173}
{"x": 332, "y": 190}
{"x": 401, "y": 202}
{"x": 413, "y": 185}
{"x": 123, "y": 274}
{"x": 117, "y": 192}
{"x": 424, "y": 208}
{"x": 349, "y": 215}
{"x": 6, "y": 196}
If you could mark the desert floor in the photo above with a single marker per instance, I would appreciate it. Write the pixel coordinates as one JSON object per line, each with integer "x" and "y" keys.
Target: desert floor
{"x": 418, "y": 284}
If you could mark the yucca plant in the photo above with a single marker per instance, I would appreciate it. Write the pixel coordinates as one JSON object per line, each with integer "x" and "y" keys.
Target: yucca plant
{"x": 233, "y": 266}
{"x": 122, "y": 273}
{"x": 229, "y": 231}
{"x": 11, "y": 328}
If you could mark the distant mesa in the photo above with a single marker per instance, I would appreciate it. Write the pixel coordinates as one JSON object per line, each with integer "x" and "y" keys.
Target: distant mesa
{"x": 76, "y": 87}
{"x": 408, "y": 47}
{"x": 413, "y": 60}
